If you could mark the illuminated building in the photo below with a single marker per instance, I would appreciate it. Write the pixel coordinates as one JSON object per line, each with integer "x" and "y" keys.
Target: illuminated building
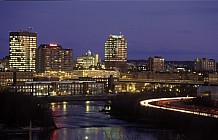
{"x": 22, "y": 51}
{"x": 53, "y": 88}
{"x": 87, "y": 60}
{"x": 108, "y": 78}
{"x": 115, "y": 52}
{"x": 95, "y": 73}
{"x": 156, "y": 63}
{"x": 52, "y": 57}
{"x": 76, "y": 74}
{"x": 205, "y": 64}
{"x": 5, "y": 63}
{"x": 15, "y": 78}
{"x": 1, "y": 67}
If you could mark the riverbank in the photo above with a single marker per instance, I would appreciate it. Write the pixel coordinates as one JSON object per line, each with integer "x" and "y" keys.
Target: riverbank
{"x": 103, "y": 97}
{"x": 21, "y": 113}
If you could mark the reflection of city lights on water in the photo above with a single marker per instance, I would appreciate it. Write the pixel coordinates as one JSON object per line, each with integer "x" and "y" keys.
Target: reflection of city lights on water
{"x": 87, "y": 108}
{"x": 65, "y": 133}
{"x": 113, "y": 133}
{"x": 53, "y": 106}
{"x": 54, "y": 135}
{"x": 64, "y": 106}
{"x": 109, "y": 108}
{"x": 59, "y": 106}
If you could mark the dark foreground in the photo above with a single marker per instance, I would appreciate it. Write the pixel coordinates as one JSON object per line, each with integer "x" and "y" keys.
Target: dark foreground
{"x": 19, "y": 113}
{"x": 194, "y": 127}
{"x": 81, "y": 120}
{"x": 77, "y": 120}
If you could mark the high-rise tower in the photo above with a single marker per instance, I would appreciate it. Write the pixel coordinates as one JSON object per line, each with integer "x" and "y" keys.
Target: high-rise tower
{"x": 115, "y": 52}
{"x": 22, "y": 50}
{"x": 156, "y": 63}
{"x": 52, "y": 57}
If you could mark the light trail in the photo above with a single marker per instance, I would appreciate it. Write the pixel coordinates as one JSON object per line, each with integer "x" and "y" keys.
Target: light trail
{"x": 147, "y": 103}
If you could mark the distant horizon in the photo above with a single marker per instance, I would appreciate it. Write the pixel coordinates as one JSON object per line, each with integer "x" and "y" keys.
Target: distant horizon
{"x": 175, "y": 30}
{"x": 94, "y": 52}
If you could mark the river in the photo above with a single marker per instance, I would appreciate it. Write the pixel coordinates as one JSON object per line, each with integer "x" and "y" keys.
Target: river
{"x": 83, "y": 121}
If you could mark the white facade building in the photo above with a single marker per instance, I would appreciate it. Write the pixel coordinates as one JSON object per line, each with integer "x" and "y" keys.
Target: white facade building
{"x": 87, "y": 60}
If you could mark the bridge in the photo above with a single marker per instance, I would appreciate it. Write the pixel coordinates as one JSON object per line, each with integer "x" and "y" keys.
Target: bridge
{"x": 190, "y": 82}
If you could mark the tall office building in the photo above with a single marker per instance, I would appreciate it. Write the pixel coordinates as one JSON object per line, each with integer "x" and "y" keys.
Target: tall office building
{"x": 115, "y": 52}
{"x": 52, "y": 57}
{"x": 22, "y": 50}
{"x": 156, "y": 63}
{"x": 205, "y": 64}
{"x": 87, "y": 60}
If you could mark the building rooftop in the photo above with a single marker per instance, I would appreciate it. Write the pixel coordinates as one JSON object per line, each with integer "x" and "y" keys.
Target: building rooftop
{"x": 50, "y": 46}
{"x": 117, "y": 36}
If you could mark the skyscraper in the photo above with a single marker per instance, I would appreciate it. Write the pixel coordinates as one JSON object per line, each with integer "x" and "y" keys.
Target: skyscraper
{"x": 22, "y": 51}
{"x": 52, "y": 57}
{"x": 156, "y": 63}
{"x": 115, "y": 52}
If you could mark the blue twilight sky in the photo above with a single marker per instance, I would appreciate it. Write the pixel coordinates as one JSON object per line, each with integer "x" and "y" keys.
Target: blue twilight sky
{"x": 175, "y": 29}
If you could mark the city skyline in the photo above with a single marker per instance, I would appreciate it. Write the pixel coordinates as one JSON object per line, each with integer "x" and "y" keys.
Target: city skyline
{"x": 173, "y": 30}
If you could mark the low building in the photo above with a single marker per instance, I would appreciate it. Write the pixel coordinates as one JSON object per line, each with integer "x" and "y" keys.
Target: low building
{"x": 88, "y": 60}
{"x": 76, "y": 74}
{"x": 205, "y": 64}
{"x": 6, "y": 78}
{"x": 61, "y": 88}
{"x": 4, "y": 64}
{"x": 109, "y": 83}
{"x": 211, "y": 78}
{"x": 95, "y": 73}
{"x": 15, "y": 78}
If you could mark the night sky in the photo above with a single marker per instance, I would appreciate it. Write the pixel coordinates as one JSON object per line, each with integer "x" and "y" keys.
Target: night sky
{"x": 175, "y": 30}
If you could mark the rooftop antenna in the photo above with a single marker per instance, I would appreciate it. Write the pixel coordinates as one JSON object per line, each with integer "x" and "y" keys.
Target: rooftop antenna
{"x": 30, "y": 29}
{"x": 120, "y": 34}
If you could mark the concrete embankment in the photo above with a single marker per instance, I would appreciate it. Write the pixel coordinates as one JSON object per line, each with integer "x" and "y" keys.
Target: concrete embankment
{"x": 104, "y": 97}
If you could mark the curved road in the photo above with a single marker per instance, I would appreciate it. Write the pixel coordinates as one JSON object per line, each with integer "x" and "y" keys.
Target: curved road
{"x": 162, "y": 103}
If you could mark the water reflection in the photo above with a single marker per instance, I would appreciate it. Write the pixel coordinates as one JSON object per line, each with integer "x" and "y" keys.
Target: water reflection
{"x": 64, "y": 106}
{"x": 87, "y": 106}
{"x": 83, "y": 121}
{"x": 54, "y": 135}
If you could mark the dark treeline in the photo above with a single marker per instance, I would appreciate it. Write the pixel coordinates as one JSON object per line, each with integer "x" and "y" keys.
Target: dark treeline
{"x": 18, "y": 110}
{"x": 203, "y": 102}
{"x": 127, "y": 106}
